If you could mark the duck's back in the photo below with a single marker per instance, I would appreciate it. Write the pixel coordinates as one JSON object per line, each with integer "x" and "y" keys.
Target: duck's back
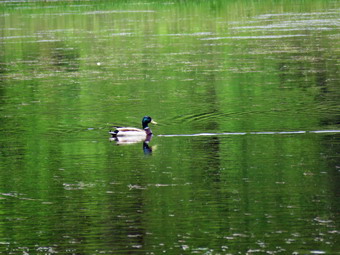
{"x": 130, "y": 131}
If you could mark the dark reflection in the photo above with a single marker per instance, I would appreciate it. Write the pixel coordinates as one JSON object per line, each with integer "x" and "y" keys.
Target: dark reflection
{"x": 126, "y": 229}
{"x": 128, "y": 140}
{"x": 146, "y": 148}
{"x": 212, "y": 164}
{"x": 316, "y": 75}
{"x": 3, "y": 69}
{"x": 331, "y": 148}
{"x": 65, "y": 58}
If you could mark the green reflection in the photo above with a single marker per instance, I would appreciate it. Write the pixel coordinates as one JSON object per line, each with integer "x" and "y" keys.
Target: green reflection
{"x": 71, "y": 70}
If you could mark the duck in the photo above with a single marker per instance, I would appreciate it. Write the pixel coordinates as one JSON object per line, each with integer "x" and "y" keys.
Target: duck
{"x": 142, "y": 134}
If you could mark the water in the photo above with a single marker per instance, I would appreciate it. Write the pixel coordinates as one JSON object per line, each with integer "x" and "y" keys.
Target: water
{"x": 244, "y": 160}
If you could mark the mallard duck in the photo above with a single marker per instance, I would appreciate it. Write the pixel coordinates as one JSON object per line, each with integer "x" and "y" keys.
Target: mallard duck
{"x": 135, "y": 132}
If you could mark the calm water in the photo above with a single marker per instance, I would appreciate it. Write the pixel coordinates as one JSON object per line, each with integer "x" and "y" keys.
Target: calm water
{"x": 245, "y": 159}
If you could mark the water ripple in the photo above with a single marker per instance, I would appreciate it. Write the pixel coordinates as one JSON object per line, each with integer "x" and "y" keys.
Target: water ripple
{"x": 200, "y": 116}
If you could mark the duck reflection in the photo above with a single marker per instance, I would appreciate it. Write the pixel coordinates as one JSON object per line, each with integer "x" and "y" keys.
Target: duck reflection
{"x": 146, "y": 148}
{"x": 128, "y": 140}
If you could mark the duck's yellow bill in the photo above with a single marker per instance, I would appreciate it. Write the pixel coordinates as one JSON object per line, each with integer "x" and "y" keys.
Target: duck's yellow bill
{"x": 153, "y": 122}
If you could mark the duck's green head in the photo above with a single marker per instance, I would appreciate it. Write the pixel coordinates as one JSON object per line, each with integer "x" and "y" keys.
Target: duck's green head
{"x": 146, "y": 120}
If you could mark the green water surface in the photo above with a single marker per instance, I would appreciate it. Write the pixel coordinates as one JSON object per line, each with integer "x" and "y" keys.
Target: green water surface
{"x": 240, "y": 91}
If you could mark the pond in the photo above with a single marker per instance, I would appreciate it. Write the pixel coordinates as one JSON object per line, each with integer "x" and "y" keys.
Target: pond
{"x": 245, "y": 158}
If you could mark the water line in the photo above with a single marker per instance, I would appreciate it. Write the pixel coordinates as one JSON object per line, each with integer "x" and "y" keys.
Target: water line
{"x": 254, "y": 133}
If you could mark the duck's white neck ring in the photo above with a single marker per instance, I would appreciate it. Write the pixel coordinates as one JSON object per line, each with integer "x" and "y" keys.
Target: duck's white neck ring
{"x": 147, "y": 130}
